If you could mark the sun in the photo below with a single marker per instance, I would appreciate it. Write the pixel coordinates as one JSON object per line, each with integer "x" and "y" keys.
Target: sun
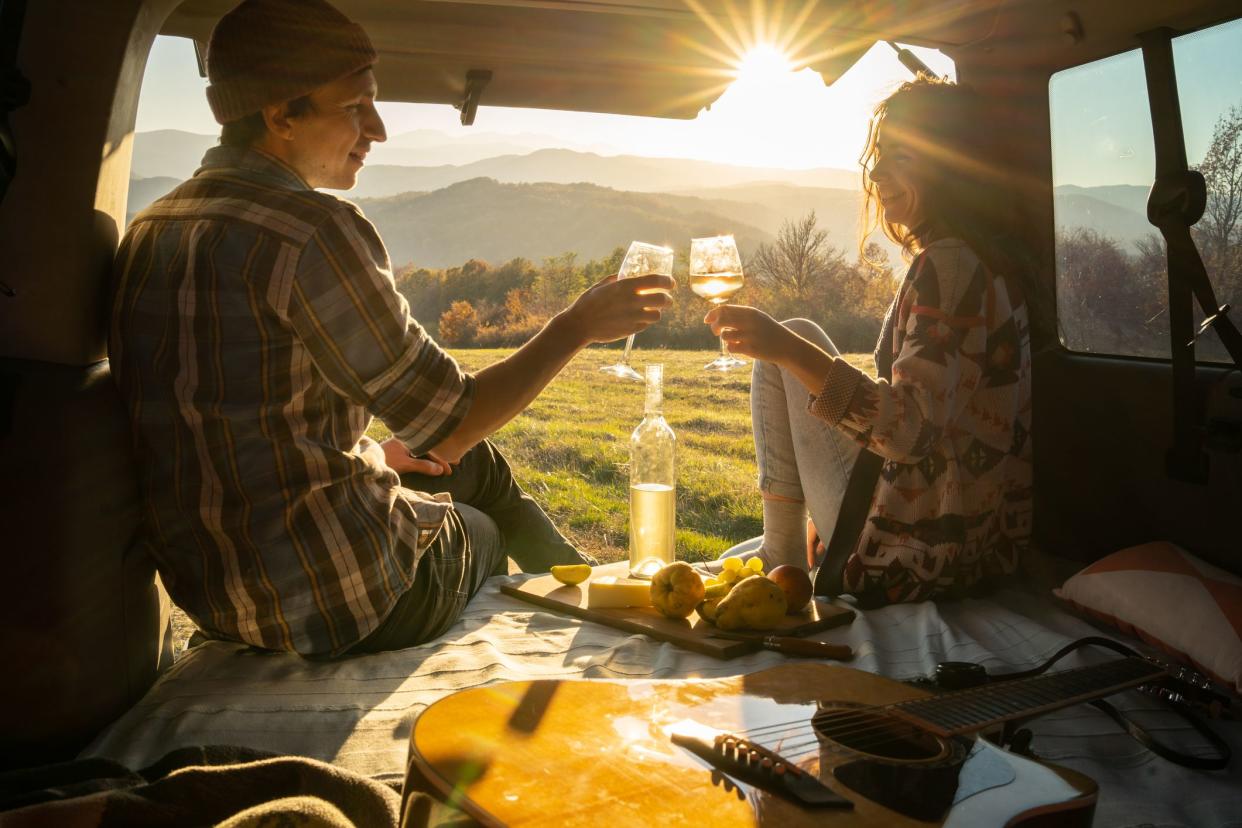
{"x": 764, "y": 63}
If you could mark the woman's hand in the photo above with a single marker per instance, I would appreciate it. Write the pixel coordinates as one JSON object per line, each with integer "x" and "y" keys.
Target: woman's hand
{"x": 751, "y": 332}
{"x": 398, "y": 458}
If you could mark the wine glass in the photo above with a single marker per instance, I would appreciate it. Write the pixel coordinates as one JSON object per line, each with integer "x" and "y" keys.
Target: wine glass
{"x": 640, "y": 260}
{"x": 715, "y": 275}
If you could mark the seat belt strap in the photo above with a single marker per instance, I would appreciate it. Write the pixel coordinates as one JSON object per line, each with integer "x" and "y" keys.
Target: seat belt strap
{"x": 1215, "y": 316}
{"x": 1176, "y": 202}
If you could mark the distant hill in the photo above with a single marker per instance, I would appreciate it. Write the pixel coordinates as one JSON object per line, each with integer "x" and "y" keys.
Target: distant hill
{"x": 425, "y": 160}
{"x": 142, "y": 191}
{"x": 431, "y": 147}
{"x": 1129, "y": 197}
{"x": 558, "y": 166}
{"x": 1119, "y": 212}
{"x": 495, "y": 221}
{"x": 169, "y": 153}
{"x": 767, "y": 206}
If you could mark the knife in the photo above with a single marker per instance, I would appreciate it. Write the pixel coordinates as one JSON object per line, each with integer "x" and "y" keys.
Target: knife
{"x": 791, "y": 646}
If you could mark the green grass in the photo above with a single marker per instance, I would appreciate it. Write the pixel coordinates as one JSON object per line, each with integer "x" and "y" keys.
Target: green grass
{"x": 569, "y": 449}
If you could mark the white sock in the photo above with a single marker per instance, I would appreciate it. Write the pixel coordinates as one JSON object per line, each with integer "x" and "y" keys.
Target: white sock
{"x": 784, "y": 533}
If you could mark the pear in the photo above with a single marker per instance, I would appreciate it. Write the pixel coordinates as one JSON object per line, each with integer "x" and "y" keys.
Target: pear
{"x": 754, "y": 603}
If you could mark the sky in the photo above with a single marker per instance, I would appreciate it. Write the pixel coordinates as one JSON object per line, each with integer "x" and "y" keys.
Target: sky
{"x": 1101, "y": 123}
{"x": 769, "y": 117}
{"x": 772, "y": 117}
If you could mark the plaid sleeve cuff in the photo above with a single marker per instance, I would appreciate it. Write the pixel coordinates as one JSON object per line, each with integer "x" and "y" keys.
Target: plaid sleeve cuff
{"x": 833, "y": 401}
{"x": 437, "y": 412}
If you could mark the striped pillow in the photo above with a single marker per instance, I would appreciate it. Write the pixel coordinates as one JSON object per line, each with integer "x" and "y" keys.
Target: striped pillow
{"x": 1170, "y": 599}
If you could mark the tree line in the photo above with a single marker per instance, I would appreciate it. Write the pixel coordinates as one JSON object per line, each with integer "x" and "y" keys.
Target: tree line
{"x": 800, "y": 274}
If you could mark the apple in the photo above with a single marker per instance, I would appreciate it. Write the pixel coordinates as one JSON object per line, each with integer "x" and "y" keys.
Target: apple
{"x": 796, "y": 585}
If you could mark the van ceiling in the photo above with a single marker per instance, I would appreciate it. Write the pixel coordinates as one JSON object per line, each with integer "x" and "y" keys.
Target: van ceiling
{"x": 671, "y": 58}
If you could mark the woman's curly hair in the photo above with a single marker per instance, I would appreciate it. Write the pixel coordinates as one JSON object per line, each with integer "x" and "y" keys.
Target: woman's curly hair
{"x": 966, "y": 194}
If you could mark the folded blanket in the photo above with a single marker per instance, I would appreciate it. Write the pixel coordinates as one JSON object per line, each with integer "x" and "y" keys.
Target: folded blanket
{"x": 212, "y": 785}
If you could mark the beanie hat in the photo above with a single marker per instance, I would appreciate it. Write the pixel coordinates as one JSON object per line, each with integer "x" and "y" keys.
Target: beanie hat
{"x": 268, "y": 51}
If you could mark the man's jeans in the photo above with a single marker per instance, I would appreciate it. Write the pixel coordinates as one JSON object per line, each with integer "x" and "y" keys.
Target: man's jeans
{"x": 492, "y": 519}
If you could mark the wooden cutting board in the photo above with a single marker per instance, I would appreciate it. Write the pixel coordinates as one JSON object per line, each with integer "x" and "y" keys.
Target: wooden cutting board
{"x": 693, "y": 633}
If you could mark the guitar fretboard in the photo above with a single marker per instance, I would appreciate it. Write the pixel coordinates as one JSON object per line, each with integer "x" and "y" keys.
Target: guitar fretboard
{"x": 968, "y": 711}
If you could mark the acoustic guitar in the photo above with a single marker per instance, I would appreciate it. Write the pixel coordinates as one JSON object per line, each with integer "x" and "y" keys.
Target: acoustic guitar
{"x": 799, "y": 744}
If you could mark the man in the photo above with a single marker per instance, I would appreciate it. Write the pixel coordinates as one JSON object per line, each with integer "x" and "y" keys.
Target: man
{"x": 256, "y": 330}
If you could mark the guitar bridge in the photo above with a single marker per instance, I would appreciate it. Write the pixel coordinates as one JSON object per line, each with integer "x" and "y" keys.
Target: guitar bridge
{"x": 755, "y": 765}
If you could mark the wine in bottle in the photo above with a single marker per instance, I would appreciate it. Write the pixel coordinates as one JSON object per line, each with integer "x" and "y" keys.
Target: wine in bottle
{"x": 652, "y": 484}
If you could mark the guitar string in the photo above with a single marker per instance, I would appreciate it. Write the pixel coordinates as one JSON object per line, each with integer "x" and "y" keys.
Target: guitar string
{"x": 844, "y": 714}
{"x": 862, "y": 716}
{"x": 854, "y": 743}
{"x": 844, "y": 726}
{"x": 861, "y": 724}
{"x": 888, "y": 738}
{"x": 858, "y": 730}
{"x": 810, "y": 746}
{"x": 983, "y": 698}
{"x": 980, "y": 699}
{"x": 865, "y": 745}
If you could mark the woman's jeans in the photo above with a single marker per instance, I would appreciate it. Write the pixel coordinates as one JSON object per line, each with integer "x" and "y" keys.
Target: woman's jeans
{"x": 800, "y": 456}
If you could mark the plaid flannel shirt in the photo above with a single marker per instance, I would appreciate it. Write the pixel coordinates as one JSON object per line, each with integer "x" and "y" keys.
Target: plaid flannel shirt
{"x": 255, "y": 331}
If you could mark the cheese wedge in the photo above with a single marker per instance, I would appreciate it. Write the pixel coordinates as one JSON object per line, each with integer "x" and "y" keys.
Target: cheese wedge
{"x": 611, "y": 591}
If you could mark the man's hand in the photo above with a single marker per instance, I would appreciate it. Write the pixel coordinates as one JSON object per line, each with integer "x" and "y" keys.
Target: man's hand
{"x": 613, "y": 308}
{"x": 751, "y": 332}
{"x": 610, "y": 309}
{"x": 398, "y": 458}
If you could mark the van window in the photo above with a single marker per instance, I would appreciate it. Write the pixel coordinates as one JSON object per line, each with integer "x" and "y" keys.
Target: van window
{"x": 1214, "y": 145}
{"x": 1112, "y": 295}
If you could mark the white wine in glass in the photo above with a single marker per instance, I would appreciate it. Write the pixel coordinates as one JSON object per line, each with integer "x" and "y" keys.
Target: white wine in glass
{"x": 640, "y": 260}
{"x": 715, "y": 275}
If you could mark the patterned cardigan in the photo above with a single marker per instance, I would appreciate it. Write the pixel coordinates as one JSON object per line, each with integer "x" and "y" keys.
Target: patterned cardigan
{"x": 952, "y": 505}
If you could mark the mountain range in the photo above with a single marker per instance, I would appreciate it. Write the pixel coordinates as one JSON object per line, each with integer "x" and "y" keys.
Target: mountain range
{"x": 550, "y": 201}
{"x": 176, "y": 154}
{"x": 486, "y": 219}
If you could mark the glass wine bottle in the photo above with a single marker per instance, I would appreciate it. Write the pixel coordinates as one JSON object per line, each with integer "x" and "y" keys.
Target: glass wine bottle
{"x": 652, "y": 484}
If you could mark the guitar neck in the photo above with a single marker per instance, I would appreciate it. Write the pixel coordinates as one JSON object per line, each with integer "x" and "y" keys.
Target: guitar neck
{"x": 969, "y": 711}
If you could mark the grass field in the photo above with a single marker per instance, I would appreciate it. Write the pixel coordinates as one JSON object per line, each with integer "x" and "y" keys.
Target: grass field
{"x": 569, "y": 449}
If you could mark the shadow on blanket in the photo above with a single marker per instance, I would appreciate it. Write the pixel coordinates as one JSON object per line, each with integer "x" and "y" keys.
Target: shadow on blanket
{"x": 212, "y": 785}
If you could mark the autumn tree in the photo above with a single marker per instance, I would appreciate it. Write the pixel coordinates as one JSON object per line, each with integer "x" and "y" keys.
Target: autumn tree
{"x": 1105, "y": 303}
{"x": 459, "y": 324}
{"x": 875, "y": 285}
{"x": 559, "y": 280}
{"x": 1219, "y": 229}
{"x": 515, "y": 306}
{"x": 801, "y": 262}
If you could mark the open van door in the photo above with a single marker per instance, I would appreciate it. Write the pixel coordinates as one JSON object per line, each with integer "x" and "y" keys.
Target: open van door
{"x": 83, "y": 616}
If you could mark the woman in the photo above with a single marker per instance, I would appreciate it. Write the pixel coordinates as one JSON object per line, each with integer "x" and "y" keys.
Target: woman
{"x": 948, "y": 420}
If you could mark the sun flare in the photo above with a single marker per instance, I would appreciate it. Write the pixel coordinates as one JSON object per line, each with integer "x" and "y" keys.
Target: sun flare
{"x": 763, "y": 63}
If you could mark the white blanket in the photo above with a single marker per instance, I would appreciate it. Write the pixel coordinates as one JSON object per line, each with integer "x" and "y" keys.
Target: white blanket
{"x": 357, "y": 712}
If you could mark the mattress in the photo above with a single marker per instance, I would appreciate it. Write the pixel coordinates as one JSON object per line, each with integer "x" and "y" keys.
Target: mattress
{"x": 357, "y": 712}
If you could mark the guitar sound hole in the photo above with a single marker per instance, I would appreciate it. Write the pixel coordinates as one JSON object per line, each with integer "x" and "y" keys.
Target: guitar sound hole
{"x": 868, "y": 731}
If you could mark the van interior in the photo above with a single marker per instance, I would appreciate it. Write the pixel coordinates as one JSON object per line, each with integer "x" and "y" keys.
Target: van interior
{"x": 1133, "y": 444}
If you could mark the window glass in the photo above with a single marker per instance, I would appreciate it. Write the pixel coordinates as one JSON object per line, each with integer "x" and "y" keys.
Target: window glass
{"x": 1112, "y": 294}
{"x": 1209, "y": 86}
